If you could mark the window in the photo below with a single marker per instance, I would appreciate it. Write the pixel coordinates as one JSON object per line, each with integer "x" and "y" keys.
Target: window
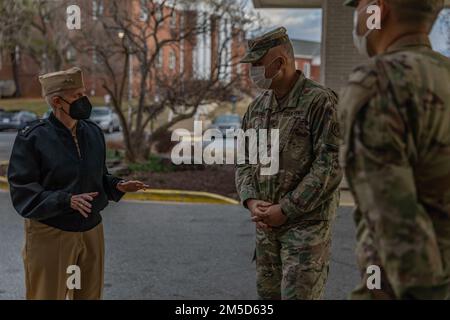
{"x": 97, "y": 8}
{"x": 144, "y": 11}
{"x": 17, "y": 54}
{"x": 158, "y": 13}
{"x": 159, "y": 59}
{"x": 172, "y": 60}
{"x": 70, "y": 54}
{"x": 441, "y": 32}
{"x": 173, "y": 21}
{"x": 94, "y": 57}
{"x": 307, "y": 69}
{"x": 100, "y": 7}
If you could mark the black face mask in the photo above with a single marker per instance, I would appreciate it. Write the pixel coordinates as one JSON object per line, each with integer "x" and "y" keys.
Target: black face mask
{"x": 80, "y": 109}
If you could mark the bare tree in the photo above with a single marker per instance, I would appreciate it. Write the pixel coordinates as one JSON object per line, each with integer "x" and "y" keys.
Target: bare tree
{"x": 15, "y": 19}
{"x": 130, "y": 37}
{"x": 35, "y": 28}
{"x": 46, "y": 42}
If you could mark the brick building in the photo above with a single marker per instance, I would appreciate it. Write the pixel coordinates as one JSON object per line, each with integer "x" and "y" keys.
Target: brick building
{"x": 193, "y": 58}
{"x": 307, "y": 57}
{"x": 26, "y": 73}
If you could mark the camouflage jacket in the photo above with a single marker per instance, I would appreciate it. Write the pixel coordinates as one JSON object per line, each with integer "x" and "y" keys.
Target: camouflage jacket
{"x": 395, "y": 113}
{"x": 306, "y": 185}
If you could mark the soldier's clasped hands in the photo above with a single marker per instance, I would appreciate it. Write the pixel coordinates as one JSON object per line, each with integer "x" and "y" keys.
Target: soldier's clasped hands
{"x": 266, "y": 214}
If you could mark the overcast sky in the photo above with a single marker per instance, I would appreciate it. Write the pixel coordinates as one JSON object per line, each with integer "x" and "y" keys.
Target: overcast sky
{"x": 306, "y": 24}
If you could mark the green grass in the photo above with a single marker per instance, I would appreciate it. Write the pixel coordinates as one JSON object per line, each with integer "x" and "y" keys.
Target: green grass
{"x": 154, "y": 164}
{"x": 114, "y": 155}
{"x": 36, "y": 105}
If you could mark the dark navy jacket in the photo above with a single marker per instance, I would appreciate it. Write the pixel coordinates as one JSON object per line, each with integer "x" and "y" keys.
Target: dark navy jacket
{"x": 45, "y": 170}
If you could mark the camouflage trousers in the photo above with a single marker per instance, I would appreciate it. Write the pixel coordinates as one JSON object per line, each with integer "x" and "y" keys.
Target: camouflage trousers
{"x": 292, "y": 262}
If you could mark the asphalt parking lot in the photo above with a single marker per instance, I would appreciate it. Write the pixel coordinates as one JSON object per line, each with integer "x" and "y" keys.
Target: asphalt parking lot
{"x": 176, "y": 251}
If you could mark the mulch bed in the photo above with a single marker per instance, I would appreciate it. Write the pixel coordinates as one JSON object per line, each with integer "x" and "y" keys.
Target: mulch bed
{"x": 215, "y": 179}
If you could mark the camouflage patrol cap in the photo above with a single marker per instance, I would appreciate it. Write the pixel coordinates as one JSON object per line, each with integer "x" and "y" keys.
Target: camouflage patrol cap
{"x": 351, "y": 3}
{"x": 258, "y": 47}
{"x": 61, "y": 80}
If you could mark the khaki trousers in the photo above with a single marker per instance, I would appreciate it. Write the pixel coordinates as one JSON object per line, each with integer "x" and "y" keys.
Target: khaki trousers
{"x": 49, "y": 252}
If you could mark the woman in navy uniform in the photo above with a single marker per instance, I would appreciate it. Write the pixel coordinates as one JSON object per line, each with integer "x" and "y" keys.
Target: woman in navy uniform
{"x": 59, "y": 183}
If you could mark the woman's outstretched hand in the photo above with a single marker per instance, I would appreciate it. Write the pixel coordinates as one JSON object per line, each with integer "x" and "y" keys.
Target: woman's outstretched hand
{"x": 131, "y": 186}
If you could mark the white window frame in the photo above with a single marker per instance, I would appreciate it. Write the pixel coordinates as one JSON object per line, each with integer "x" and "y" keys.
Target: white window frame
{"x": 94, "y": 57}
{"x": 160, "y": 59}
{"x": 172, "y": 60}
{"x": 97, "y": 9}
{"x": 173, "y": 21}
{"x": 69, "y": 54}
{"x": 144, "y": 11}
{"x": 158, "y": 12}
{"x": 307, "y": 69}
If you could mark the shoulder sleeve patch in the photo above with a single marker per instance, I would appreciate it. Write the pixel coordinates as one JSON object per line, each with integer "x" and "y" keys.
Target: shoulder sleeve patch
{"x": 31, "y": 127}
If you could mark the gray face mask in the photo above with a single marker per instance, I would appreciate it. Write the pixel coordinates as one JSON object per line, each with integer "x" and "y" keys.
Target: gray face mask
{"x": 360, "y": 42}
{"x": 258, "y": 76}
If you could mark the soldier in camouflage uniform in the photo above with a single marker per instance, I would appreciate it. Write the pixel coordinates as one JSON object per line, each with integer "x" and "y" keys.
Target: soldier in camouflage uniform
{"x": 396, "y": 153}
{"x": 294, "y": 208}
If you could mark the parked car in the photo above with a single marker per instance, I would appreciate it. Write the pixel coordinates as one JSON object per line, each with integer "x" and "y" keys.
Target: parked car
{"x": 226, "y": 122}
{"x": 16, "y": 120}
{"x": 106, "y": 119}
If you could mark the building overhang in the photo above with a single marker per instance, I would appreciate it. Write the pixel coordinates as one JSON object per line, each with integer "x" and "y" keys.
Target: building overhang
{"x": 303, "y": 56}
{"x": 298, "y": 4}
{"x": 287, "y": 3}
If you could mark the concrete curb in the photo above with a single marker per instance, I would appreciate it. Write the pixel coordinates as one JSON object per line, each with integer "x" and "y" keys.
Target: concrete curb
{"x": 165, "y": 196}
{"x": 180, "y": 196}
{"x": 4, "y": 184}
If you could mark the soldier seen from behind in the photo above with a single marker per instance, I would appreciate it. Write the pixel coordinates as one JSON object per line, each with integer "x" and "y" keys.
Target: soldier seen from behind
{"x": 396, "y": 153}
